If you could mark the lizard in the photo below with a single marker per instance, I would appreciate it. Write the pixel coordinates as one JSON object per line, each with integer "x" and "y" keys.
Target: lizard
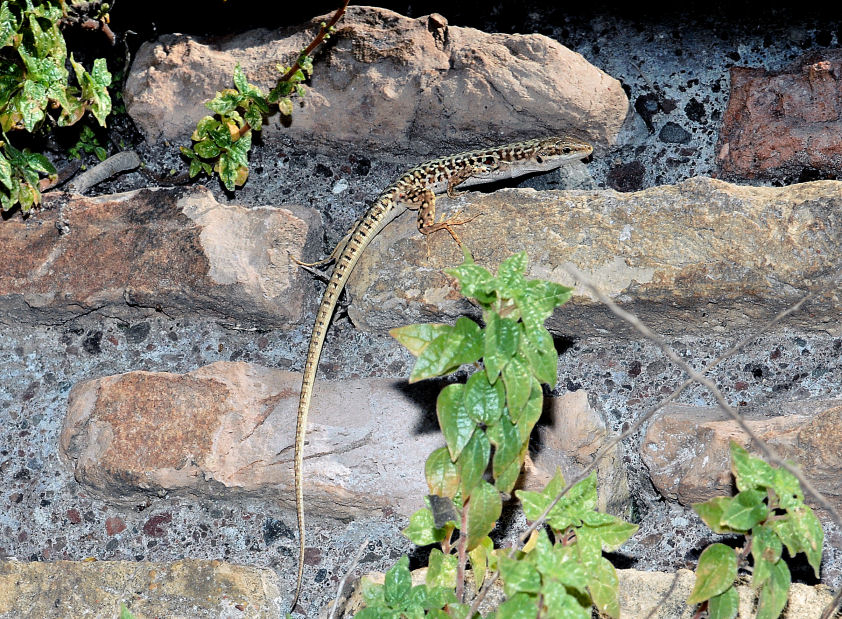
{"x": 415, "y": 189}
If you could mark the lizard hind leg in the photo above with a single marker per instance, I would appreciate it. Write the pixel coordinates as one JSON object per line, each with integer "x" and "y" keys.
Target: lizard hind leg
{"x": 427, "y": 223}
{"x": 331, "y": 258}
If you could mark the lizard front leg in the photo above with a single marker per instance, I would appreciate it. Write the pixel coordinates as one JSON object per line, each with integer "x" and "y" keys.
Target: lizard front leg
{"x": 471, "y": 171}
{"x": 427, "y": 224}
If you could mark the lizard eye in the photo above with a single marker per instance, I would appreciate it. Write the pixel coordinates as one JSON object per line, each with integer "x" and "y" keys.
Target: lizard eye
{"x": 566, "y": 150}
{"x": 539, "y": 159}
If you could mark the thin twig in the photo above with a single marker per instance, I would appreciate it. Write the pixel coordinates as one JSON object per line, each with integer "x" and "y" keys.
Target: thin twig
{"x": 315, "y": 42}
{"x": 342, "y": 583}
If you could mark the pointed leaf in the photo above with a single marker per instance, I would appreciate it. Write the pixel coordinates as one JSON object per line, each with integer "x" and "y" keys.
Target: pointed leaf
{"x": 473, "y": 461}
{"x": 716, "y": 572}
{"x": 501, "y": 343}
{"x": 751, "y": 473}
{"x": 726, "y": 605}
{"x": 519, "y": 576}
{"x": 774, "y": 594}
{"x": 603, "y": 585}
{"x": 398, "y": 583}
{"x": 442, "y": 478}
{"x": 518, "y": 381}
{"x": 455, "y": 423}
{"x": 416, "y": 338}
{"x": 483, "y": 401}
{"x": 746, "y": 510}
{"x": 484, "y": 508}
{"x": 463, "y": 344}
{"x": 422, "y": 530}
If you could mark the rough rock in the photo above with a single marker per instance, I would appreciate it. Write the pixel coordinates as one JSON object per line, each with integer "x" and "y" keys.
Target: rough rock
{"x": 388, "y": 83}
{"x": 227, "y": 429}
{"x": 188, "y": 588}
{"x": 701, "y": 256}
{"x": 173, "y": 250}
{"x": 686, "y": 448}
{"x": 785, "y": 122}
{"x": 642, "y": 595}
{"x": 568, "y": 438}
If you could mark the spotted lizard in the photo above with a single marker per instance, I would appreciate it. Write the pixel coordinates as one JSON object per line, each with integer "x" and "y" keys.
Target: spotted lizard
{"x": 416, "y": 189}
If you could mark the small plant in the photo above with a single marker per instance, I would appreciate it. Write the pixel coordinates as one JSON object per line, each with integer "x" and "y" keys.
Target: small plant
{"x": 88, "y": 142}
{"x": 769, "y": 510}
{"x": 222, "y": 141}
{"x": 560, "y": 573}
{"x": 36, "y": 91}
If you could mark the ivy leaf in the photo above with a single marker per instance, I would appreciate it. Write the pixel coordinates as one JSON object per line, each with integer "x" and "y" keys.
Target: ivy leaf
{"x": 716, "y": 571}
{"x": 455, "y": 423}
{"x": 484, "y": 508}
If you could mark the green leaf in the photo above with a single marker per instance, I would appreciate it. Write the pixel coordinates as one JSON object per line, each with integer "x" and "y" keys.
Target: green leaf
{"x": 483, "y": 401}
{"x": 716, "y": 572}
{"x": 474, "y": 280}
{"x": 507, "y": 478}
{"x": 285, "y": 106}
{"x": 243, "y": 85}
{"x": 506, "y": 440}
{"x": 125, "y": 613}
{"x": 569, "y": 510}
{"x": 613, "y": 533}
{"x": 519, "y": 606}
{"x": 765, "y": 545}
{"x": 5, "y": 171}
{"x": 398, "y": 583}
{"x": 455, "y": 423}
{"x": 603, "y": 584}
{"x": 416, "y": 338}
{"x": 518, "y": 381}
{"x": 441, "y": 569}
{"x": 808, "y": 532}
{"x": 206, "y": 149}
{"x": 479, "y": 559}
{"x": 746, "y": 510}
{"x": 101, "y": 153}
{"x": 225, "y": 101}
{"x": 558, "y": 563}
{"x": 484, "y": 507}
{"x": 31, "y": 102}
{"x": 95, "y": 87}
{"x": 542, "y": 358}
{"x": 473, "y": 461}
{"x": 519, "y": 577}
{"x": 195, "y": 167}
{"x": 726, "y": 605}
{"x": 774, "y": 594}
{"x": 8, "y": 26}
{"x": 531, "y": 412}
{"x": 786, "y": 486}
{"x": 711, "y": 513}
{"x": 463, "y": 344}
{"x": 750, "y": 473}
{"x": 562, "y": 605}
{"x": 501, "y": 343}
{"x": 442, "y": 478}
{"x": 422, "y": 530}
{"x": 510, "y": 281}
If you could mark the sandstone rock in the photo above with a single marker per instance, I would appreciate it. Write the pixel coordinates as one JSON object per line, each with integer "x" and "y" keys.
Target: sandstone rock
{"x": 176, "y": 250}
{"x": 568, "y": 438}
{"x": 386, "y": 82}
{"x": 687, "y": 447}
{"x": 700, "y": 256}
{"x": 227, "y": 429}
{"x": 189, "y": 588}
{"x": 781, "y": 123}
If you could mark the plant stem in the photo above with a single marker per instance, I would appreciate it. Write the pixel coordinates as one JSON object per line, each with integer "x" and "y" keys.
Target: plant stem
{"x": 463, "y": 555}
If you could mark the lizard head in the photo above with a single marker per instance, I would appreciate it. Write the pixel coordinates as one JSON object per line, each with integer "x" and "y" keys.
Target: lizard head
{"x": 556, "y": 150}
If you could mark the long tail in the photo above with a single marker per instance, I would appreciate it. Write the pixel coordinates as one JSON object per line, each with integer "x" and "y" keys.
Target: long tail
{"x": 380, "y": 214}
